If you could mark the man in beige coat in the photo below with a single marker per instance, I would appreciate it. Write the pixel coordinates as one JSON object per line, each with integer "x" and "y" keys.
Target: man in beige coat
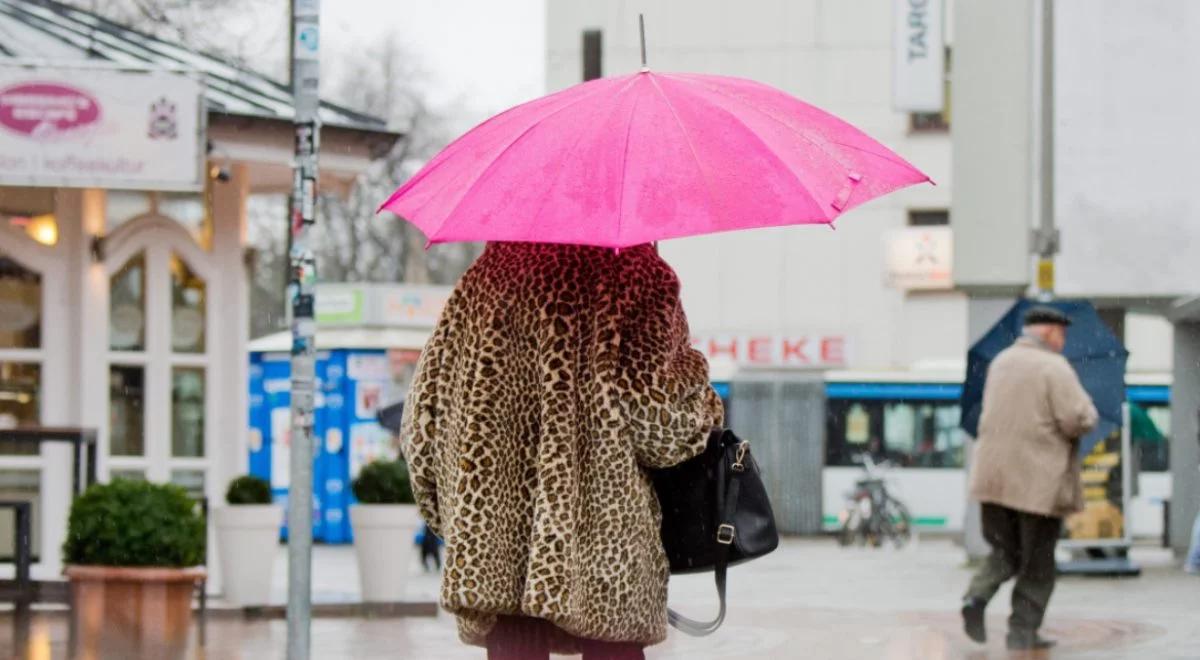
{"x": 1025, "y": 473}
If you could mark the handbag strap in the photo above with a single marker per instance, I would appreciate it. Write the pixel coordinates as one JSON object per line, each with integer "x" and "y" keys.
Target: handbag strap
{"x": 726, "y": 507}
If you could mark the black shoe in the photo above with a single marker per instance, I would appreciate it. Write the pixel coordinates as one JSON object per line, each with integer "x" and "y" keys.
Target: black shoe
{"x": 972, "y": 612}
{"x": 1028, "y": 641}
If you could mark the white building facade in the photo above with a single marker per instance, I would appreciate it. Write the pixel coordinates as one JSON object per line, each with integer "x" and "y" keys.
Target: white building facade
{"x": 878, "y": 301}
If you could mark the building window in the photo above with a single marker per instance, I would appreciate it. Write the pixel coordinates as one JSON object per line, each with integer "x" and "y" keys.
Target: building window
{"x": 20, "y": 305}
{"x": 190, "y": 480}
{"x": 187, "y": 412}
{"x": 907, "y": 433}
{"x": 593, "y": 54}
{"x": 921, "y": 122}
{"x": 126, "y": 410}
{"x": 127, "y": 307}
{"x": 928, "y": 218}
{"x": 187, "y": 309}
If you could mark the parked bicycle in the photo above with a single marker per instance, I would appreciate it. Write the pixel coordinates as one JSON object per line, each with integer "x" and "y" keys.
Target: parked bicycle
{"x": 872, "y": 514}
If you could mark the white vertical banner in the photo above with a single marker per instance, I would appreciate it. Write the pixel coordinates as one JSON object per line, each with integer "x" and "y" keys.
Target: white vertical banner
{"x": 918, "y": 56}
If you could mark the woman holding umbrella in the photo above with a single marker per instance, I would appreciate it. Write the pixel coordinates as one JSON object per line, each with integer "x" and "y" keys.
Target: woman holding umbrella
{"x": 561, "y": 369}
{"x": 556, "y": 375}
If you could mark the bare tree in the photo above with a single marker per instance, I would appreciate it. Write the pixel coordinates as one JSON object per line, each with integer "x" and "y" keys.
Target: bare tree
{"x": 252, "y": 33}
{"x": 357, "y": 244}
{"x": 353, "y": 243}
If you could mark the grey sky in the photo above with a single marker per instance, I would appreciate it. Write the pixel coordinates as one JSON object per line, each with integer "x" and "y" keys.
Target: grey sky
{"x": 477, "y": 57}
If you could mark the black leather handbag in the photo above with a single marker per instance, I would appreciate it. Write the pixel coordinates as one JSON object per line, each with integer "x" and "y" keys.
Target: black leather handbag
{"x": 715, "y": 514}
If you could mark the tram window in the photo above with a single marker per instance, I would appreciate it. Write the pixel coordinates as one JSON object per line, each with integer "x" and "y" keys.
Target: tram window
{"x": 1150, "y": 431}
{"x": 907, "y": 433}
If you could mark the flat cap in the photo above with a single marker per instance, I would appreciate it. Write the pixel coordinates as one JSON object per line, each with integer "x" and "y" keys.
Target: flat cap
{"x": 1043, "y": 315}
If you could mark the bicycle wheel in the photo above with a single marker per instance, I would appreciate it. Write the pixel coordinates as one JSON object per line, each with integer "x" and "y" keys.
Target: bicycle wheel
{"x": 898, "y": 523}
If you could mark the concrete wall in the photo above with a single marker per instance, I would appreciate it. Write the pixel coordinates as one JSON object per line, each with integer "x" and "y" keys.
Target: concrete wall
{"x": 993, "y": 144}
{"x": 1185, "y": 434}
{"x": 834, "y": 54}
{"x": 1127, "y": 148}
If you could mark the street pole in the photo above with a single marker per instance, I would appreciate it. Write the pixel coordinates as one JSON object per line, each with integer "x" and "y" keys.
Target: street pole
{"x": 1045, "y": 237}
{"x": 305, "y": 66}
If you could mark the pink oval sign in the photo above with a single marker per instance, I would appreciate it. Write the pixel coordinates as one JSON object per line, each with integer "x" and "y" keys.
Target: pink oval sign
{"x": 46, "y": 109}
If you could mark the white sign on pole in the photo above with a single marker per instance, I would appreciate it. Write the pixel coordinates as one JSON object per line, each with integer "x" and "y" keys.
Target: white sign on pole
{"x": 918, "y": 56}
{"x": 100, "y": 127}
{"x": 920, "y": 258}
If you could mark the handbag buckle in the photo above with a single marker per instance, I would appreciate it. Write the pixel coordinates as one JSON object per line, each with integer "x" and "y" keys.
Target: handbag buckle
{"x": 725, "y": 534}
{"x": 739, "y": 459}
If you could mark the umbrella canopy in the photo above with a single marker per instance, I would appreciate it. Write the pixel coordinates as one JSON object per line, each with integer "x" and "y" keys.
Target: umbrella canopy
{"x": 1092, "y": 349}
{"x": 634, "y": 159}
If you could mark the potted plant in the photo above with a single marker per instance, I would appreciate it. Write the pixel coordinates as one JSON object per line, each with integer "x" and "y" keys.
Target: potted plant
{"x": 134, "y": 553}
{"x": 247, "y": 534}
{"x": 385, "y": 522}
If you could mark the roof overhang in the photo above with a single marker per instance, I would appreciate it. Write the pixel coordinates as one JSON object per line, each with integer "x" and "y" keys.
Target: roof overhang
{"x": 266, "y": 146}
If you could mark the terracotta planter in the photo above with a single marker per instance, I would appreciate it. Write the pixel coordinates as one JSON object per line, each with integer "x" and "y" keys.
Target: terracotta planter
{"x": 132, "y": 612}
{"x": 247, "y": 537}
{"x": 383, "y": 542}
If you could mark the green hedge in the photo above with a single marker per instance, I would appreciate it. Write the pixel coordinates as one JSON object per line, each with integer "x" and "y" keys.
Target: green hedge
{"x": 135, "y": 523}
{"x": 383, "y": 482}
{"x": 248, "y": 490}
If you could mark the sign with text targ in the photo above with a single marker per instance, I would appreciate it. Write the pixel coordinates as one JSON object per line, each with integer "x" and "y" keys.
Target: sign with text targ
{"x": 94, "y": 127}
{"x": 784, "y": 351}
{"x": 918, "y": 56}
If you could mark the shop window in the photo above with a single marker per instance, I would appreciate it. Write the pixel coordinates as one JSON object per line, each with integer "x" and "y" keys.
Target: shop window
{"x": 21, "y": 485}
{"x": 42, "y": 227}
{"x": 30, "y": 211}
{"x": 127, "y": 307}
{"x": 190, "y": 480}
{"x": 20, "y": 305}
{"x": 121, "y": 206}
{"x": 187, "y": 412}
{"x": 1149, "y": 430}
{"x": 187, "y": 309}
{"x": 907, "y": 433}
{"x": 126, "y": 408}
{"x": 20, "y": 394}
{"x": 188, "y": 209}
{"x": 129, "y": 475}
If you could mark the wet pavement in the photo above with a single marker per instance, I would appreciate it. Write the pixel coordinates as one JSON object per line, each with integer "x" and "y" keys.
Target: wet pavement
{"x": 810, "y": 599}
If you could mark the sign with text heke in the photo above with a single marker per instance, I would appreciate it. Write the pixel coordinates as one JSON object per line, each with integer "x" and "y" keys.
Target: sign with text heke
{"x": 918, "y": 56}
{"x": 775, "y": 351}
{"x": 100, "y": 127}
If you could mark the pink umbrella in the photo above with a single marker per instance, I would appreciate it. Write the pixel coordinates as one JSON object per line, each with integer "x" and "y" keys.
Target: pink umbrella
{"x": 635, "y": 159}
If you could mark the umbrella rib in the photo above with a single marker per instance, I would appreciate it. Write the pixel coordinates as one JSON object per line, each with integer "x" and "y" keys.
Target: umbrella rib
{"x": 624, "y": 168}
{"x": 691, "y": 147}
{"x": 559, "y": 172}
{"x": 778, "y": 160}
{"x": 820, "y": 144}
{"x": 483, "y": 173}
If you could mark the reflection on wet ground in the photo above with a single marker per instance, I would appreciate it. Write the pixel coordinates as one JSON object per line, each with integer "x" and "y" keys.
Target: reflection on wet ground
{"x": 809, "y": 600}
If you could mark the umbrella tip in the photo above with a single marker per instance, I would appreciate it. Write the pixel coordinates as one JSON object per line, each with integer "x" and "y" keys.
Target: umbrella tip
{"x": 642, "y": 35}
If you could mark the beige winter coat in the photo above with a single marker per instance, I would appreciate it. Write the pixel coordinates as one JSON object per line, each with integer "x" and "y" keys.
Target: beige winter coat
{"x": 1034, "y": 412}
{"x": 554, "y": 378}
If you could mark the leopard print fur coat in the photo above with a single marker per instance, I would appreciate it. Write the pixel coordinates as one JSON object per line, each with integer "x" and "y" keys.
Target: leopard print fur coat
{"x": 556, "y": 376}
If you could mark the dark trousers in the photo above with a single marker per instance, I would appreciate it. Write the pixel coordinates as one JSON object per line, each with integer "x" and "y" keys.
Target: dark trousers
{"x": 1022, "y": 547}
{"x": 528, "y": 638}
